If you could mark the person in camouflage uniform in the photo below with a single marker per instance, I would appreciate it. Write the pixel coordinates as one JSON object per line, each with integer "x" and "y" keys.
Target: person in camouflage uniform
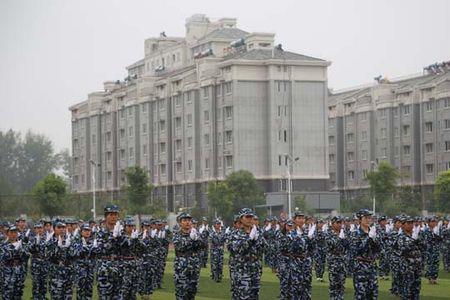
{"x": 284, "y": 242}
{"x": 408, "y": 245}
{"x": 382, "y": 230}
{"x": 39, "y": 265}
{"x": 56, "y": 252}
{"x": 188, "y": 245}
{"x": 433, "y": 238}
{"x": 302, "y": 251}
{"x": 130, "y": 248}
{"x": 217, "y": 238}
{"x": 270, "y": 236}
{"x": 319, "y": 256}
{"x": 336, "y": 245}
{"x": 109, "y": 239}
{"x": 149, "y": 259}
{"x": 163, "y": 242}
{"x": 84, "y": 250}
{"x": 394, "y": 256}
{"x": 366, "y": 247}
{"x": 446, "y": 244}
{"x": 228, "y": 234}
{"x": 246, "y": 247}
{"x": 204, "y": 256}
{"x": 13, "y": 257}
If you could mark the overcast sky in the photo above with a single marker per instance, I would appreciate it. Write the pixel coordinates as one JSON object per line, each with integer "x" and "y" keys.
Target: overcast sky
{"x": 53, "y": 53}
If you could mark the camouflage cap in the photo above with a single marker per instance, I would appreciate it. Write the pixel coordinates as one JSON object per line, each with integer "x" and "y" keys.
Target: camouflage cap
{"x": 183, "y": 215}
{"x": 245, "y": 212}
{"x": 111, "y": 208}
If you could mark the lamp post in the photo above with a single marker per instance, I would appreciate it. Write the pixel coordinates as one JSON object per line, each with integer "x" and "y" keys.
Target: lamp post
{"x": 373, "y": 166}
{"x": 290, "y": 162}
{"x": 93, "y": 164}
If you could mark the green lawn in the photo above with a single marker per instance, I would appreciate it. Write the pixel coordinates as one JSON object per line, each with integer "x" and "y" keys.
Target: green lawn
{"x": 270, "y": 286}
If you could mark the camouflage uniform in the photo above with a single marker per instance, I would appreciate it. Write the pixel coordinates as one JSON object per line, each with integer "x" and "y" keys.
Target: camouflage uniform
{"x": 336, "y": 249}
{"x": 186, "y": 265}
{"x": 161, "y": 258}
{"x": 130, "y": 249}
{"x": 271, "y": 251}
{"x": 108, "y": 276}
{"x": 149, "y": 265}
{"x": 319, "y": 254}
{"x": 13, "y": 273}
{"x": 284, "y": 242}
{"x": 246, "y": 256}
{"x": 39, "y": 267}
{"x": 410, "y": 266}
{"x": 446, "y": 249}
{"x": 394, "y": 261}
{"x": 365, "y": 279}
{"x": 433, "y": 244}
{"x": 384, "y": 256}
{"x": 60, "y": 268}
{"x": 84, "y": 255}
{"x": 217, "y": 244}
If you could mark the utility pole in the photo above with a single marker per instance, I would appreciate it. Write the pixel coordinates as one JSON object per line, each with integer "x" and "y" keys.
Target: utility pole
{"x": 290, "y": 162}
{"x": 94, "y": 165}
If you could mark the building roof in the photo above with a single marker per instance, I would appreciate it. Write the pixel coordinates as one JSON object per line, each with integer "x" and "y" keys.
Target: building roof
{"x": 225, "y": 33}
{"x": 263, "y": 54}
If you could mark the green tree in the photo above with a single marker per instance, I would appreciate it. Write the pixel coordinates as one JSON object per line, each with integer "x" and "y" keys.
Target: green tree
{"x": 300, "y": 203}
{"x": 442, "y": 191}
{"x": 137, "y": 190}
{"x": 245, "y": 189}
{"x": 383, "y": 183}
{"x": 50, "y": 193}
{"x": 409, "y": 200}
{"x": 10, "y": 150}
{"x": 220, "y": 198}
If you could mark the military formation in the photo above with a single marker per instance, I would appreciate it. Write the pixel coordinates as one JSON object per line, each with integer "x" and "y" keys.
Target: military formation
{"x": 124, "y": 261}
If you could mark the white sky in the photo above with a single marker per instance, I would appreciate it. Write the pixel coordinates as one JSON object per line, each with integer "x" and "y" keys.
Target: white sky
{"x": 53, "y": 53}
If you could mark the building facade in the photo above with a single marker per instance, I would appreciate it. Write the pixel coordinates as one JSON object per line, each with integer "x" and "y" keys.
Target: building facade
{"x": 197, "y": 108}
{"x": 404, "y": 121}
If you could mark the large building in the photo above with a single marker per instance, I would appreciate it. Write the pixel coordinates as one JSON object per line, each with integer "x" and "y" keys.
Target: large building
{"x": 404, "y": 121}
{"x": 196, "y": 108}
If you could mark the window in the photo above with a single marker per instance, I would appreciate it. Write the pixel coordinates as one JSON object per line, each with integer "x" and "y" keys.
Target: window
{"x": 396, "y": 131}
{"x": 383, "y": 132}
{"x": 188, "y": 97}
{"x": 429, "y": 106}
{"x": 350, "y": 156}
{"x": 331, "y": 140}
{"x": 94, "y": 139}
{"x": 131, "y": 152}
{"x": 190, "y": 165}
{"x": 447, "y": 124}
{"x": 429, "y": 168}
{"x": 349, "y": 119}
{"x": 205, "y": 91}
{"x": 429, "y": 127}
{"x": 206, "y": 116}
{"x": 228, "y": 136}
{"x": 162, "y": 104}
{"x": 178, "y": 145}
{"x": 108, "y": 136}
{"x": 122, "y": 114}
{"x": 279, "y": 160}
{"x": 383, "y": 113}
{"x": 351, "y": 175}
{"x": 350, "y": 137}
{"x": 177, "y": 122}
{"x": 364, "y": 154}
{"x": 363, "y": 116}
{"x": 228, "y": 112}
{"x": 395, "y": 111}
{"x": 207, "y": 163}
{"x": 108, "y": 156}
{"x": 219, "y": 90}
{"x": 206, "y": 139}
{"x": 130, "y": 131}
{"x": 219, "y": 162}
{"x": 162, "y": 125}
{"x": 383, "y": 152}
{"x": 162, "y": 147}
{"x": 144, "y": 108}
{"x": 144, "y": 128}
{"x": 162, "y": 169}
{"x": 178, "y": 167}
{"x": 446, "y": 102}
{"x": 228, "y": 87}
{"x": 405, "y": 129}
{"x": 447, "y": 145}
{"x": 364, "y": 135}
{"x": 279, "y": 110}
{"x": 332, "y": 158}
{"x": 406, "y": 110}
{"x": 177, "y": 101}
{"x": 144, "y": 150}
{"x": 122, "y": 154}
{"x": 285, "y": 135}
{"x": 219, "y": 138}
{"x": 429, "y": 148}
{"x": 229, "y": 161}
{"x": 189, "y": 142}
{"x": 406, "y": 150}
{"x": 130, "y": 111}
{"x": 447, "y": 166}
{"x": 189, "y": 119}
{"x": 396, "y": 151}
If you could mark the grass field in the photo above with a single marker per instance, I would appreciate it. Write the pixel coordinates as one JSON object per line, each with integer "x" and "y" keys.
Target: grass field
{"x": 210, "y": 290}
